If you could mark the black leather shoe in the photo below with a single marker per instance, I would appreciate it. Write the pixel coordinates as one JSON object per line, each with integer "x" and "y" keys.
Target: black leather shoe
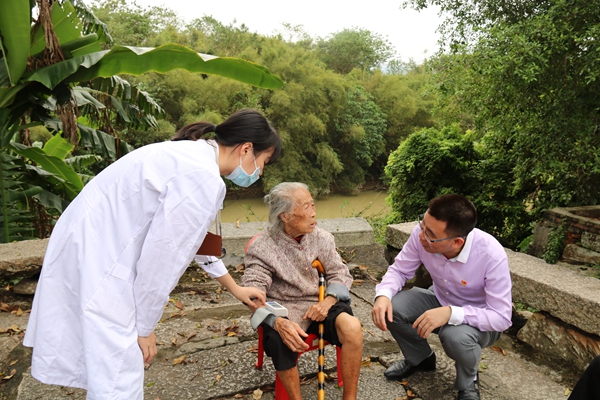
{"x": 402, "y": 370}
{"x": 471, "y": 393}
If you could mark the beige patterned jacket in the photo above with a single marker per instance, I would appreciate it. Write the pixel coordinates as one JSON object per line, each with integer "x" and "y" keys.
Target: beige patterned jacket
{"x": 280, "y": 266}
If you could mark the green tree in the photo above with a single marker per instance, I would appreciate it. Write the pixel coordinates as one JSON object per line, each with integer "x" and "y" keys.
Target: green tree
{"x": 529, "y": 73}
{"x": 358, "y": 137}
{"x": 353, "y": 48}
{"x": 133, "y": 25}
{"x": 427, "y": 164}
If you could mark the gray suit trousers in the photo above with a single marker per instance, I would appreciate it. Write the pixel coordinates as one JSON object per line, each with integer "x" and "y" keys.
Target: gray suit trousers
{"x": 462, "y": 343}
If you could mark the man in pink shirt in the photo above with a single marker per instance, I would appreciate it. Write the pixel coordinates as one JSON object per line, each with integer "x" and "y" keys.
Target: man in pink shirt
{"x": 469, "y": 304}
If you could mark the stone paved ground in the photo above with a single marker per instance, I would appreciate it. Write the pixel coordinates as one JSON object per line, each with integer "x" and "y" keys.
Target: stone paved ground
{"x": 207, "y": 351}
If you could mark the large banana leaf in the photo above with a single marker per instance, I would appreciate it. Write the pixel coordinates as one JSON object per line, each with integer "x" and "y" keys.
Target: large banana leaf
{"x": 57, "y": 147}
{"x": 64, "y": 24}
{"x": 54, "y": 165}
{"x": 14, "y": 36}
{"x": 137, "y": 60}
{"x": 15, "y": 219}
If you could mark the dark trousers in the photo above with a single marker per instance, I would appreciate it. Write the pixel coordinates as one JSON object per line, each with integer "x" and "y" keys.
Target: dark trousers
{"x": 283, "y": 357}
{"x": 588, "y": 386}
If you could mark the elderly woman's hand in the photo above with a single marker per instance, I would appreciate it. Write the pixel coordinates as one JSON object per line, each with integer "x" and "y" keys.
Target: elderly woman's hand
{"x": 290, "y": 333}
{"x": 318, "y": 312}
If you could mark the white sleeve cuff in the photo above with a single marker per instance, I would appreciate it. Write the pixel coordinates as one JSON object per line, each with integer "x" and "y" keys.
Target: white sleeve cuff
{"x": 384, "y": 292}
{"x": 215, "y": 269}
{"x": 458, "y": 314}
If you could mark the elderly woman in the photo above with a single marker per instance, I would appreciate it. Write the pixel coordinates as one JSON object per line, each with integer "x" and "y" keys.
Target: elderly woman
{"x": 278, "y": 261}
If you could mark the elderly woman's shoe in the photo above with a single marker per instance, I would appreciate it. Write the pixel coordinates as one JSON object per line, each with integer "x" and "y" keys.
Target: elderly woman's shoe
{"x": 402, "y": 369}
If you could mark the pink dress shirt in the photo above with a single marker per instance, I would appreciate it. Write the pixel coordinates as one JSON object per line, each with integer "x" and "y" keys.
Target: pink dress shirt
{"x": 476, "y": 284}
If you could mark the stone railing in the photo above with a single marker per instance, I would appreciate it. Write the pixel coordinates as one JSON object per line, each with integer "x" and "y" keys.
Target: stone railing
{"x": 354, "y": 238}
{"x": 567, "y": 326}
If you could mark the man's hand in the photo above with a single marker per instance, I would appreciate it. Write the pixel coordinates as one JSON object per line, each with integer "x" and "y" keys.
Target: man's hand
{"x": 290, "y": 333}
{"x": 382, "y": 309}
{"x": 432, "y": 319}
{"x": 318, "y": 311}
{"x": 148, "y": 346}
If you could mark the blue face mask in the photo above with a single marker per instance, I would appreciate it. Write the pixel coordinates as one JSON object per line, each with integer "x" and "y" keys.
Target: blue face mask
{"x": 241, "y": 177}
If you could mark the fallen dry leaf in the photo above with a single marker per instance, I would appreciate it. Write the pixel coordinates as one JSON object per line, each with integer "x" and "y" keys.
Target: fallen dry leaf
{"x": 191, "y": 336}
{"x": 10, "y": 329}
{"x": 257, "y": 394}
{"x": 4, "y": 307}
{"x": 230, "y": 334}
{"x": 239, "y": 268}
{"x": 401, "y": 398}
{"x": 253, "y": 349}
{"x": 13, "y": 363}
{"x": 218, "y": 378}
{"x": 179, "y": 305}
{"x": 410, "y": 394}
{"x": 238, "y": 396}
{"x": 177, "y": 314}
{"x": 237, "y": 223}
{"x": 499, "y": 349}
{"x": 178, "y": 360}
{"x": 12, "y": 373}
{"x": 366, "y": 362}
{"x": 232, "y": 328}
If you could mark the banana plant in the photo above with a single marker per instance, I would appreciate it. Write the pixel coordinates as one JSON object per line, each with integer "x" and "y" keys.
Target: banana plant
{"x": 53, "y": 68}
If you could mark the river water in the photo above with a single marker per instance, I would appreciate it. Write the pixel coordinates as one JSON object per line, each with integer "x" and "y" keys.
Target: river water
{"x": 366, "y": 203}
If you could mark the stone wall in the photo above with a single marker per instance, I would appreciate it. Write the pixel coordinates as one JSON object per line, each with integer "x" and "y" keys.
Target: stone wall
{"x": 354, "y": 238}
{"x": 582, "y": 236}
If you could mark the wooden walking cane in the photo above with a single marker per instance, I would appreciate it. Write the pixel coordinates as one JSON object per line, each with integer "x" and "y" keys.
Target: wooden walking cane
{"x": 321, "y": 374}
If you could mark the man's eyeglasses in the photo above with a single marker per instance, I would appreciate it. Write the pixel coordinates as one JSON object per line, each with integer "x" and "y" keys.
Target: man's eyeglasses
{"x": 426, "y": 236}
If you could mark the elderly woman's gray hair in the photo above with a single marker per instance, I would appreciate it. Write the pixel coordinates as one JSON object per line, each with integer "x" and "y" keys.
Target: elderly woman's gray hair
{"x": 281, "y": 200}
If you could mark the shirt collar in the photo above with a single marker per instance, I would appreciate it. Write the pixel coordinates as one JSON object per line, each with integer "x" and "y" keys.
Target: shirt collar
{"x": 463, "y": 256}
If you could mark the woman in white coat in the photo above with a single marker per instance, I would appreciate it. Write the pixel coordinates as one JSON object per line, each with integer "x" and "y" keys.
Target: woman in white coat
{"x": 121, "y": 246}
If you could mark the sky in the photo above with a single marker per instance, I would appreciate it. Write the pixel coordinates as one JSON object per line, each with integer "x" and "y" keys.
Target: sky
{"x": 413, "y": 34}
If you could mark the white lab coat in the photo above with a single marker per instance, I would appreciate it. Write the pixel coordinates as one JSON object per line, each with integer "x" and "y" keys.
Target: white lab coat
{"x": 113, "y": 258}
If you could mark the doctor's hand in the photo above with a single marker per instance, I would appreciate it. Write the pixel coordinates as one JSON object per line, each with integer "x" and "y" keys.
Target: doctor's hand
{"x": 382, "y": 309}
{"x": 148, "y": 346}
{"x": 432, "y": 319}
{"x": 253, "y": 298}
{"x": 291, "y": 333}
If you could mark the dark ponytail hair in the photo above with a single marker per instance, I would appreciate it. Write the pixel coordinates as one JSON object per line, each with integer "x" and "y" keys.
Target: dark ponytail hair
{"x": 241, "y": 127}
